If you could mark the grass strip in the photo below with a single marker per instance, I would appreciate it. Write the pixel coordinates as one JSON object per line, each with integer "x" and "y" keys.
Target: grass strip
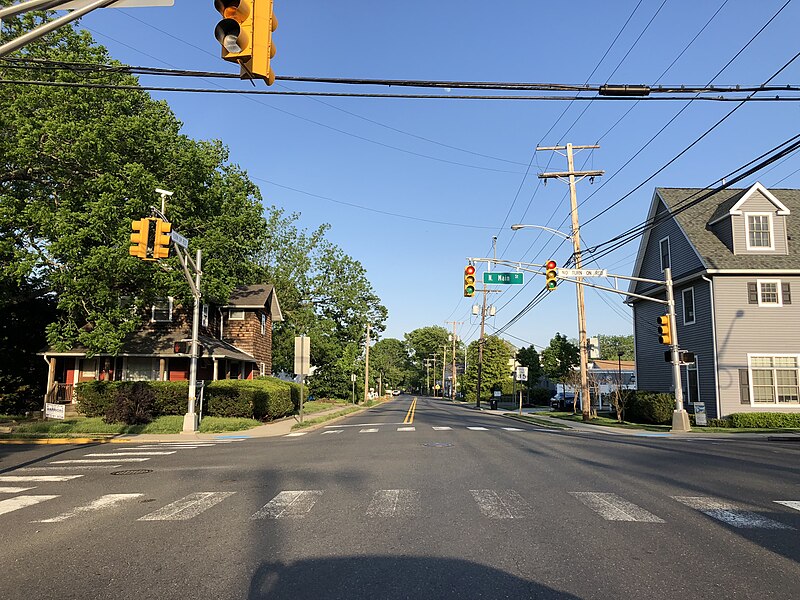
{"x": 544, "y": 422}
{"x": 315, "y": 406}
{"x": 328, "y": 417}
{"x": 608, "y": 422}
{"x": 95, "y": 426}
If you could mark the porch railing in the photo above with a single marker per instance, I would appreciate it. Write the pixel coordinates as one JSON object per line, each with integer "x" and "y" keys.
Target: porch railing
{"x": 60, "y": 393}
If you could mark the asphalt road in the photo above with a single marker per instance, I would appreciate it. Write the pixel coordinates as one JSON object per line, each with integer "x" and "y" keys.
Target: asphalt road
{"x": 454, "y": 504}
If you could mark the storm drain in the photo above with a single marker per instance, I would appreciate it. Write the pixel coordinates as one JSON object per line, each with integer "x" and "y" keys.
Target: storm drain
{"x": 438, "y": 445}
{"x": 132, "y": 472}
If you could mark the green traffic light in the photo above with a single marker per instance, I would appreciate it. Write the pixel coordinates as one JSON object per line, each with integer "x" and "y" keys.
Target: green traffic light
{"x": 551, "y": 285}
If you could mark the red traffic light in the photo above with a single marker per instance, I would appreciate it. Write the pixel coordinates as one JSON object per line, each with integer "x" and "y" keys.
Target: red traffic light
{"x": 551, "y": 264}
{"x": 469, "y": 270}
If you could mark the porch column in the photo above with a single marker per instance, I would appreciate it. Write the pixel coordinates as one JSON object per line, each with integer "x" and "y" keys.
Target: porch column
{"x": 216, "y": 369}
{"x": 51, "y": 375}
{"x": 162, "y": 368}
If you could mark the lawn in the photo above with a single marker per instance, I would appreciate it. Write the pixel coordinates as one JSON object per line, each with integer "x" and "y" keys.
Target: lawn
{"x": 96, "y": 426}
{"x": 314, "y": 406}
{"x": 609, "y": 422}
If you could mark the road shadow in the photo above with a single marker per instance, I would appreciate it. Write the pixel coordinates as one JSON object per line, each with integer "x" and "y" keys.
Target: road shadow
{"x": 391, "y": 577}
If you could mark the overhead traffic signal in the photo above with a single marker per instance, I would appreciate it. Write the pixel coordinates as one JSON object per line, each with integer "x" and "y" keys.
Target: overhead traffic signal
{"x": 143, "y": 238}
{"x": 162, "y": 239}
{"x": 245, "y": 33}
{"x": 550, "y": 274}
{"x": 664, "y": 332}
{"x": 469, "y": 281}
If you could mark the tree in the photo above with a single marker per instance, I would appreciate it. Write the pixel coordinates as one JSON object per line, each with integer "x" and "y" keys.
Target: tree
{"x": 529, "y": 357}
{"x": 388, "y": 357}
{"x": 559, "y": 360}
{"x": 611, "y": 345}
{"x": 495, "y": 371}
{"x": 422, "y": 344}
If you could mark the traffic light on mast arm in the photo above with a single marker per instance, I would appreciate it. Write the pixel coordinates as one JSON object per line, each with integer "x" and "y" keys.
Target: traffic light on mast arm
{"x": 469, "y": 281}
{"x": 162, "y": 239}
{"x": 143, "y": 239}
{"x": 664, "y": 331}
{"x": 245, "y": 33}
{"x": 550, "y": 273}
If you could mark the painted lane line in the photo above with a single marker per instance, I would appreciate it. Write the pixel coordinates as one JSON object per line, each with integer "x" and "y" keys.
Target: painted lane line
{"x": 128, "y": 453}
{"x": 358, "y": 425}
{"x": 505, "y": 505}
{"x": 103, "y": 502}
{"x": 369, "y": 430}
{"x": 795, "y": 504}
{"x": 12, "y": 504}
{"x": 15, "y": 490}
{"x": 187, "y": 507}
{"x": 477, "y": 428}
{"x": 730, "y": 513}
{"x": 296, "y": 434}
{"x": 78, "y": 461}
{"x": 406, "y": 429}
{"x": 442, "y": 428}
{"x": 613, "y": 508}
{"x": 69, "y": 467}
{"x": 38, "y": 478}
{"x": 394, "y": 503}
{"x": 294, "y": 504}
{"x": 512, "y": 429}
{"x": 176, "y": 448}
{"x": 332, "y": 431}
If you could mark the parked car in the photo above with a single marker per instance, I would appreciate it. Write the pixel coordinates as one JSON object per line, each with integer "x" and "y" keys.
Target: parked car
{"x": 395, "y": 392}
{"x": 563, "y": 401}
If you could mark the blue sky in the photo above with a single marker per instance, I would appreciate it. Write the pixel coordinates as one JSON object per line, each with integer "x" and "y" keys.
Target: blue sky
{"x": 472, "y": 162}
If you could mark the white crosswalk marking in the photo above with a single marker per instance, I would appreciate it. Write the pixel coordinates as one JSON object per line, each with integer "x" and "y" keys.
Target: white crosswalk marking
{"x": 477, "y": 428}
{"x": 613, "y": 508}
{"x": 504, "y": 505}
{"x": 15, "y": 490}
{"x": 130, "y": 453}
{"x": 512, "y": 429}
{"x": 443, "y": 429}
{"x": 103, "y": 502}
{"x": 68, "y": 467}
{"x": 289, "y": 505}
{"x": 296, "y": 434}
{"x": 730, "y": 513}
{"x": 406, "y": 429}
{"x": 188, "y": 507}
{"x": 369, "y": 430}
{"x": 38, "y": 478}
{"x": 394, "y": 503}
{"x": 332, "y": 431}
{"x": 795, "y": 504}
{"x": 12, "y": 504}
{"x": 78, "y": 461}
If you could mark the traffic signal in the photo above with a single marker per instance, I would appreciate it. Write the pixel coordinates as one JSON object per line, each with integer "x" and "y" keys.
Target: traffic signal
{"x": 469, "y": 281}
{"x": 182, "y": 347}
{"x": 550, "y": 274}
{"x": 162, "y": 239}
{"x": 143, "y": 238}
{"x": 245, "y": 33}
{"x": 664, "y": 333}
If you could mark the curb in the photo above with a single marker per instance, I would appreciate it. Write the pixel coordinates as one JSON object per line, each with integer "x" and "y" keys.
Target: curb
{"x": 340, "y": 417}
{"x": 554, "y": 428}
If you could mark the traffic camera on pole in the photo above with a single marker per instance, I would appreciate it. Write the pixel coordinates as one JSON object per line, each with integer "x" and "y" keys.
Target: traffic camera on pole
{"x": 162, "y": 239}
{"x": 664, "y": 331}
{"x": 245, "y": 33}
{"x": 550, "y": 273}
{"x": 469, "y": 281}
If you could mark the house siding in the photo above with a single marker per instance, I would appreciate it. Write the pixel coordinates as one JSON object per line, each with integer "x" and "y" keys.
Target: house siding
{"x": 652, "y": 373}
{"x": 724, "y": 232}
{"x": 246, "y": 335}
{"x": 758, "y": 203}
{"x": 682, "y": 255}
{"x": 744, "y": 328}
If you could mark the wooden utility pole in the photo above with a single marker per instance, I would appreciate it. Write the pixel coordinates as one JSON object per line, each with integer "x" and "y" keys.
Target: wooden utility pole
{"x": 455, "y": 341}
{"x": 444, "y": 368}
{"x": 484, "y": 291}
{"x": 366, "y": 369}
{"x": 576, "y": 246}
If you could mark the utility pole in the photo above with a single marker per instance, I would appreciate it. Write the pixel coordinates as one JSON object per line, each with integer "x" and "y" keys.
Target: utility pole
{"x": 576, "y": 248}
{"x": 455, "y": 341}
{"x": 444, "y": 366}
{"x": 366, "y": 369}
{"x": 427, "y": 362}
{"x": 434, "y": 374}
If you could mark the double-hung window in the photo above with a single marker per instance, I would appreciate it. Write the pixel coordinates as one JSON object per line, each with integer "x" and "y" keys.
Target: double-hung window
{"x": 161, "y": 311}
{"x": 759, "y": 231}
{"x": 774, "y": 379}
{"x": 688, "y": 306}
{"x": 663, "y": 246}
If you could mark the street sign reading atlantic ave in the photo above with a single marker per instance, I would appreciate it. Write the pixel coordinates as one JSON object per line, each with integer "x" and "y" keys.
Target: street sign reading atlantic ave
{"x": 502, "y": 278}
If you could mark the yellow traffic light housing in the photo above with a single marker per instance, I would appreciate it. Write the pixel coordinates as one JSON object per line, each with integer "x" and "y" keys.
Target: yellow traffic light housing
{"x": 469, "y": 281}
{"x": 245, "y": 33}
{"x": 162, "y": 239}
{"x": 550, "y": 273}
{"x": 664, "y": 331}
{"x": 139, "y": 239}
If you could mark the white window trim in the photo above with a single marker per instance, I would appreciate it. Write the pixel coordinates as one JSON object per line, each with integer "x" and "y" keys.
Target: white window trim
{"x": 153, "y": 313}
{"x": 263, "y": 324}
{"x": 778, "y": 304}
{"x": 776, "y": 404}
{"x": 204, "y": 316}
{"x": 661, "y": 254}
{"x": 236, "y": 310}
{"x": 771, "y": 246}
{"x": 694, "y": 306}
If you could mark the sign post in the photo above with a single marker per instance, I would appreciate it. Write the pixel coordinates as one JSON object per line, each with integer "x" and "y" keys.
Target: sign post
{"x": 302, "y": 363}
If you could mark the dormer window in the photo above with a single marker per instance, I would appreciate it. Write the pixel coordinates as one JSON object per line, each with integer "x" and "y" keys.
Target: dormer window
{"x": 759, "y": 232}
{"x": 236, "y": 315}
{"x": 161, "y": 311}
{"x": 664, "y": 248}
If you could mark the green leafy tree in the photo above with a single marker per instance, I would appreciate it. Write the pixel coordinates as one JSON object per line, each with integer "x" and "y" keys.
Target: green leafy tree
{"x": 529, "y": 357}
{"x": 422, "y": 344}
{"x": 611, "y": 345}
{"x": 559, "y": 359}
{"x": 495, "y": 373}
{"x": 388, "y": 357}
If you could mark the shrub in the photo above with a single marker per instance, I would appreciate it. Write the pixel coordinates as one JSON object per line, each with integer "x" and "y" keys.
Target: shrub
{"x": 719, "y": 423}
{"x": 540, "y": 396}
{"x": 649, "y": 408}
{"x": 133, "y": 404}
{"x": 18, "y": 399}
{"x": 765, "y": 420}
{"x": 257, "y": 399}
{"x": 95, "y": 397}
{"x": 171, "y": 397}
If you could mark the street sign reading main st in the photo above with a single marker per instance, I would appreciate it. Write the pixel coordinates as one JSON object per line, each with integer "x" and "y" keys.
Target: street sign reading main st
{"x": 502, "y": 278}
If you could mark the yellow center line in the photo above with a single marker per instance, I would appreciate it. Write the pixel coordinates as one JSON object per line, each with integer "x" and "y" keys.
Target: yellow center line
{"x": 410, "y": 414}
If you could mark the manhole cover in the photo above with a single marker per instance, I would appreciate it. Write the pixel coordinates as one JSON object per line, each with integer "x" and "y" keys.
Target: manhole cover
{"x": 438, "y": 445}
{"x": 132, "y": 472}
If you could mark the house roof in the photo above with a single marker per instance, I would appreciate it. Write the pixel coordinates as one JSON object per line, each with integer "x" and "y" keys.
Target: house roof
{"x": 613, "y": 365}
{"x": 713, "y": 253}
{"x": 256, "y": 296}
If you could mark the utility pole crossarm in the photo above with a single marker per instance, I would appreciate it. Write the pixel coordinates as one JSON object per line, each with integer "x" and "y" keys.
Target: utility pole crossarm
{"x": 565, "y": 174}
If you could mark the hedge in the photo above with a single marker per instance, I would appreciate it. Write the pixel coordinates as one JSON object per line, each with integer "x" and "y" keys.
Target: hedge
{"x": 650, "y": 408}
{"x": 262, "y": 399}
{"x": 764, "y": 420}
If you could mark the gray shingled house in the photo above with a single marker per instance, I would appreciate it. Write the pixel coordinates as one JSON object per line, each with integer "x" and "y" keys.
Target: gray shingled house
{"x": 735, "y": 258}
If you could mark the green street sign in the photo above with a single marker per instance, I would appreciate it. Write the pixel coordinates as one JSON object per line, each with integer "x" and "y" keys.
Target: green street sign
{"x": 502, "y": 278}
